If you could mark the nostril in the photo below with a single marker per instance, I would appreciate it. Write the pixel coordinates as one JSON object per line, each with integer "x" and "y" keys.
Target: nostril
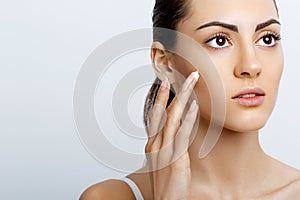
{"x": 248, "y": 71}
{"x": 245, "y": 74}
{"x": 248, "y": 74}
{"x": 258, "y": 74}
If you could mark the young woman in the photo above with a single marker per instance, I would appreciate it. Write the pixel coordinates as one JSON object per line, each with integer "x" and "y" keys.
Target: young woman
{"x": 242, "y": 38}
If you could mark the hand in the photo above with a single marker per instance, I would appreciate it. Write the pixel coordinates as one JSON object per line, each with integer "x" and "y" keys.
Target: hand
{"x": 167, "y": 147}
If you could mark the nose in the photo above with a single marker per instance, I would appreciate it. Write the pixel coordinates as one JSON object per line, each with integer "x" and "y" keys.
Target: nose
{"x": 248, "y": 66}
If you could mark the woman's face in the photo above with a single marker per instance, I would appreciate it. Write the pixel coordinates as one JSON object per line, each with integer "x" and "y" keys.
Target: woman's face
{"x": 242, "y": 39}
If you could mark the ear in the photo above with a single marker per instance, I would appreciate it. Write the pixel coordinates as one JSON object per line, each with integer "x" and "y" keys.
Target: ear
{"x": 161, "y": 62}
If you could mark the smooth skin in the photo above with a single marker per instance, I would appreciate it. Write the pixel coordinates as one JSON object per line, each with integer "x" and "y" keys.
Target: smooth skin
{"x": 237, "y": 167}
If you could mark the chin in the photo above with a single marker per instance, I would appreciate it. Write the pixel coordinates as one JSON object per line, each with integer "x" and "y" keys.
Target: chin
{"x": 245, "y": 129}
{"x": 243, "y": 124}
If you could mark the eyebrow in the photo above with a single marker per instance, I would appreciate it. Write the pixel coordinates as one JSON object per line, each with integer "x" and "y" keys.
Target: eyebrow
{"x": 265, "y": 24}
{"x": 235, "y": 28}
{"x": 222, "y": 24}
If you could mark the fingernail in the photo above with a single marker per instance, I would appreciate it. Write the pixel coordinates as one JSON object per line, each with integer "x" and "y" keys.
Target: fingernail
{"x": 193, "y": 77}
{"x": 193, "y": 105}
{"x": 164, "y": 84}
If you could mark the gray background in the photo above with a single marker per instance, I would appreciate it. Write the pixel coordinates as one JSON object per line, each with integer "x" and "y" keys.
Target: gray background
{"x": 42, "y": 47}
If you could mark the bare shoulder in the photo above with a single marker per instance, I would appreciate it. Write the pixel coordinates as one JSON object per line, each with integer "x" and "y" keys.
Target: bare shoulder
{"x": 290, "y": 189}
{"x": 288, "y": 192}
{"x": 142, "y": 180}
{"x": 110, "y": 189}
{"x": 293, "y": 188}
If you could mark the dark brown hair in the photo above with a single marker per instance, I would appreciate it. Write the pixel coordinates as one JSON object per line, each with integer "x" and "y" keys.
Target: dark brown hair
{"x": 166, "y": 14}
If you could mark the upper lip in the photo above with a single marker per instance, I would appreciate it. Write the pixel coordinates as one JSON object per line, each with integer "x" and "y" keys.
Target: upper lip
{"x": 254, "y": 90}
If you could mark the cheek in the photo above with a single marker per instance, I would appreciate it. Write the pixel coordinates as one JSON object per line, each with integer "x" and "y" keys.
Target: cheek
{"x": 274, "y": 70}
{"x": 204, "y": 99}
{"x": 239, "y": 118}
{"x": 271, "y": 74}
{"x": 271, "y": 78}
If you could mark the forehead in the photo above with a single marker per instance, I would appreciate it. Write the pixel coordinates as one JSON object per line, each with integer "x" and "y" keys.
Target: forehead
{"x": 239, "y": 12}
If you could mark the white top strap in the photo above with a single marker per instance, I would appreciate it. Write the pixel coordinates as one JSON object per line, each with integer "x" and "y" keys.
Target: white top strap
{"x": 137, "y": 193}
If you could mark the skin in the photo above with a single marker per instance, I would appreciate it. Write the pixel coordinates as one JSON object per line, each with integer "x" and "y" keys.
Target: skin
{"x": 237, "y": 167}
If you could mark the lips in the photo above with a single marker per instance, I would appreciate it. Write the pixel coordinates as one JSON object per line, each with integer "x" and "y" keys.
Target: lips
{"x": 250, "y": 97}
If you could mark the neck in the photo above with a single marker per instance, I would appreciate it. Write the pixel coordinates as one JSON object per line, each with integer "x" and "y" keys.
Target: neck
{"x": 235, "y": 163}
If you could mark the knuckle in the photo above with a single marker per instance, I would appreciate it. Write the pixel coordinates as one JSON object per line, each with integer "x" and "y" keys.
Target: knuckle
{"x": 156, "y": 111}
{"x": 148, "y": 147}
{"x": 160, "y": 97}
{"x": 173, "y": 118}
{"x": 151, "y": 117}
{"x": 180, "y": 165}
{"x": 152, "y": 112}
{"x": 152, "y": 146}
{"x": 176, "y": 168}
{"x": 176, "y": 109}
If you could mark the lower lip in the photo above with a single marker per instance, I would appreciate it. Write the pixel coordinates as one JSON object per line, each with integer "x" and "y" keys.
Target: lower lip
{"x": 250, "y": 102}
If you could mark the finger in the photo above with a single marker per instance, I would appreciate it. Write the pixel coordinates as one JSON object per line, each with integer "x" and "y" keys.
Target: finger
{"x": 181, "y": 177}
{"x": 176, "y": 108}
{"x": 182, "y": 138}
{"x": 156, "y": 115}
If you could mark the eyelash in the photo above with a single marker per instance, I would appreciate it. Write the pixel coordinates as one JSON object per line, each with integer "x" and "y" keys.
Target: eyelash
{"x": 221, "y": 34}
{"x": 274, "y": 35}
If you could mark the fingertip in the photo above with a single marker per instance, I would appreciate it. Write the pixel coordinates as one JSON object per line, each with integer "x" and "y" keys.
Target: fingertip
{"x": 164, "y": 84}
{"x": 193, "y": 106}
{"x": 195, "y": 75}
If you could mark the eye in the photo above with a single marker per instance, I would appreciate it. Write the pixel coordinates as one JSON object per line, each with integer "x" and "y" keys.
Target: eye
{"x": 269, "y": 40}
{"x": 218, "y": 41}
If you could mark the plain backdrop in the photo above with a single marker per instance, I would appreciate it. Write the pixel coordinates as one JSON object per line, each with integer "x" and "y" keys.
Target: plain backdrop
{"x": 43, "y": 45}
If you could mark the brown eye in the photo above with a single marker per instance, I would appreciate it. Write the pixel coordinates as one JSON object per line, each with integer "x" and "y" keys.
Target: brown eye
{"x": 218, "y": 42}
{"x": 221, "y": 41}
{"x": 269, "y": 40}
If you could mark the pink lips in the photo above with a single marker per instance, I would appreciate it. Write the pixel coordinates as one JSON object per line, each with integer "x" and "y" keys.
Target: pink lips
{"x": 250, "y": 97}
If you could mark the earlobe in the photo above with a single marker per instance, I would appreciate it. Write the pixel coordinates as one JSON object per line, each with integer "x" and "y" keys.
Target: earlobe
{"x": 160, "y": 61}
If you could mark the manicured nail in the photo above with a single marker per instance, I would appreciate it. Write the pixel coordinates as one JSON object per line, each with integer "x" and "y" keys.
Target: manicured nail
{"x": 193, "y": 77}
{"x": 193, "y": 105}
{"x": 164, "y": 84}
